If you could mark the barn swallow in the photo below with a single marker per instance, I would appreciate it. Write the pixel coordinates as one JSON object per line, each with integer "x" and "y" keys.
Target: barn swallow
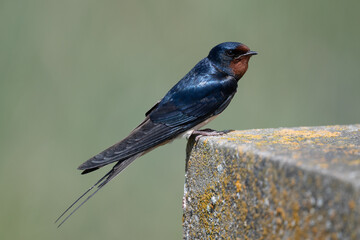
{"x": 194, "y": 101}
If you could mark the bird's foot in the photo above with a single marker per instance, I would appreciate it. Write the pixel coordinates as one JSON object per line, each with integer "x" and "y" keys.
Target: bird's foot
{"x": 206, "y": 132}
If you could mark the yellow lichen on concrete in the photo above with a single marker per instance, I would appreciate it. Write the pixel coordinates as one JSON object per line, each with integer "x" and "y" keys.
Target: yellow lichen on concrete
{"x": 352, "y": 204}
{"x": 306, "y": 134}
{"x": 354, "y": 162}
{"x": 238, "y": 186}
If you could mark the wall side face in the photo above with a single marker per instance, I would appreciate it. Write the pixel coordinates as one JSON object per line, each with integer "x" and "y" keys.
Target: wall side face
{"x": 298, "y": 183}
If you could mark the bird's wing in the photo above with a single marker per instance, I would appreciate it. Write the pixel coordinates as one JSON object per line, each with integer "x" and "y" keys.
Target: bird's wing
{"x": 186, "y": 109}
{"x": 198, "y": 101}
{"x": 146, "y": 136}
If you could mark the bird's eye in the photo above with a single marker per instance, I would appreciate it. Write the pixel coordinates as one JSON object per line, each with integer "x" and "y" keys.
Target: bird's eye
{"x": 230, "y": 53}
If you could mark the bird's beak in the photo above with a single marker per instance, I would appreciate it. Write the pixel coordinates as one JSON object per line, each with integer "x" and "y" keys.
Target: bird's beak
{"x": 250, "y": 53}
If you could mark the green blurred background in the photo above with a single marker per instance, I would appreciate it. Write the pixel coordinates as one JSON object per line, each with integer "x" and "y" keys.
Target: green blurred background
{"x": 76, "y": 76}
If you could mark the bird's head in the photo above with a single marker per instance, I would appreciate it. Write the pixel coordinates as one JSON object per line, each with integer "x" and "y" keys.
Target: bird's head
{"x": 231, "y": 58}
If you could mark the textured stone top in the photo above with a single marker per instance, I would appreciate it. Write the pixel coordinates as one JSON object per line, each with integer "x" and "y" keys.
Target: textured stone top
{"x": 331, "y": 150}
{"x": 285, "y": 183}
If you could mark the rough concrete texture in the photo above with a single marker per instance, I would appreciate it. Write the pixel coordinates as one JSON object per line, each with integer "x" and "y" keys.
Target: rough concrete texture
{"x": 286, "y": 183}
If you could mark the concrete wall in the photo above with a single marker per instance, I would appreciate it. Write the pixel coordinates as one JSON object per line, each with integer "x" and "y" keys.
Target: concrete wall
{"x": 286, "y": 183}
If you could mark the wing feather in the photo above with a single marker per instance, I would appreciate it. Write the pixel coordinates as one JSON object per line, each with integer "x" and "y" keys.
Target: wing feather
{"x": 146, "y": 136}
{"x": 194, "y": 102}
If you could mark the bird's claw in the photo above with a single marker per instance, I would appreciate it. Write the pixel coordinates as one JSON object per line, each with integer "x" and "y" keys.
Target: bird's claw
{"x": 206, "y": 132}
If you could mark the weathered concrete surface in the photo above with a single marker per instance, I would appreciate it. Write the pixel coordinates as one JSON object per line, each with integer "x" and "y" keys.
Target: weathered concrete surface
{"x": 286, "y": 183}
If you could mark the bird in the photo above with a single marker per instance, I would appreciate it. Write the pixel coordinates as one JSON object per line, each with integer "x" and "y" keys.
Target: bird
{"x": 201, "y": 95}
